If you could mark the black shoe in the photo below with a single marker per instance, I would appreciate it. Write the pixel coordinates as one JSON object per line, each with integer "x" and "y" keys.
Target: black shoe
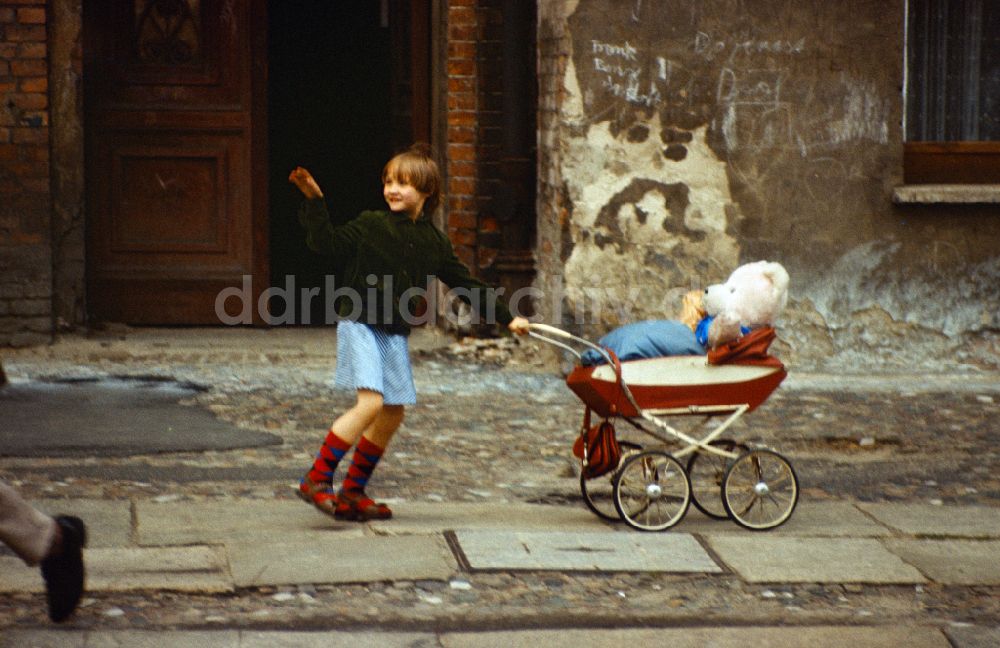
{"x": 64, "y": 573}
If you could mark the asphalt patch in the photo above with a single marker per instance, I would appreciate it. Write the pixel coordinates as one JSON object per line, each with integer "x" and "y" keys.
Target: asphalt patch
{"x": 113, "y": 417}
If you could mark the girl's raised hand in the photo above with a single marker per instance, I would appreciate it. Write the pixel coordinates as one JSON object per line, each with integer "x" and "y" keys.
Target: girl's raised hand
{"x": 305, "y": 183}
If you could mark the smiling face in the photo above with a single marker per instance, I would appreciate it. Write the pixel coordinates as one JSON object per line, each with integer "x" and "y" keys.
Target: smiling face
{"x": 403, "y": 197}
{"x": 411, "y": 182}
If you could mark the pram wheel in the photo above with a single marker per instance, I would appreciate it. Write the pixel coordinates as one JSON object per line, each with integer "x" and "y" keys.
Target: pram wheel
{"x": 760, "y": 490}
{"x": 598, "y": 492}
{"x": 706, "y": 470}
{"x": 652, "y": 491}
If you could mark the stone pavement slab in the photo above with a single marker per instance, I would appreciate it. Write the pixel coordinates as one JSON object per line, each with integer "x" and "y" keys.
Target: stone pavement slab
{"x": 700, "y": 637}
{"x": 337, "y": 639}
{"x": 340, "y": 560}
{"x": 196, "y": 569}
{"x": 952, "y": 562}
{"x": 582, "y": 551}
{"x": 119, "y": 639}
{"x": 15, "y": 576}
{"x": 237, "y": 520}
{"x": 927, "y": 520}
{"x": 425, "y": 517}
{"x": 811, "y": 519}
{"x": 109, "y": 522}
{"x": 758, "y": 637}
{"x": 211, "y": 639}
{"x": 966, "y": 636}
{"x": 775, "y": 559}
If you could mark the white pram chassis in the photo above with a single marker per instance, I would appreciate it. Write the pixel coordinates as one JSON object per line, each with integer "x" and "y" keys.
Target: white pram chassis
{"x": 651, "y": 489}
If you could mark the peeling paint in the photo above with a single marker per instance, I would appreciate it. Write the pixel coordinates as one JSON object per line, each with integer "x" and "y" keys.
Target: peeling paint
{"x": 871, "y": 276}
{"x": 874, "y": 311}
{"x": 631, "y": 204}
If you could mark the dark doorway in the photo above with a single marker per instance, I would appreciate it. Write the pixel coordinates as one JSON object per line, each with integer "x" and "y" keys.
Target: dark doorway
{"x": 330, "y": 90}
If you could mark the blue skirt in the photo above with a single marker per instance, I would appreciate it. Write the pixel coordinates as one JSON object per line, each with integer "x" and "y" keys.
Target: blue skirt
{"x": 370, "y": 358}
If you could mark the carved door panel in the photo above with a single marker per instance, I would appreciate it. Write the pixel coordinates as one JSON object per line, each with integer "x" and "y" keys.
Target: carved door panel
{"x": 175, "y": 157}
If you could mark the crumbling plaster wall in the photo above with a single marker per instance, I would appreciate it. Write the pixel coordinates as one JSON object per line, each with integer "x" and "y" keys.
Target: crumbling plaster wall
{"x": 682, "y": 138}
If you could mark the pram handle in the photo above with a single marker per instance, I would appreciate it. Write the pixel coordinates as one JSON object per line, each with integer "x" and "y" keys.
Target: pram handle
{"x": 609, "y": 357}
{"x": 536, "y": 330}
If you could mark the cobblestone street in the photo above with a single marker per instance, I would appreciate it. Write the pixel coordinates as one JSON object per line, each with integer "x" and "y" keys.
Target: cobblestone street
{"x": 494, "y": 425}
{"x": 491, "y": 425}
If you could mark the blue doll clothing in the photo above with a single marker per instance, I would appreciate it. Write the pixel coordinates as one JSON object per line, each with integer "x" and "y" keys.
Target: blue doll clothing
{"x": 647, "y": 339}
{"x": 701, "y": 331}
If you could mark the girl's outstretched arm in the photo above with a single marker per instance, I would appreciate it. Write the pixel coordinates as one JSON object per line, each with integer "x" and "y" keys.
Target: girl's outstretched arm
{"x": 325, "y": 235}
{"x": 302, "y": 179}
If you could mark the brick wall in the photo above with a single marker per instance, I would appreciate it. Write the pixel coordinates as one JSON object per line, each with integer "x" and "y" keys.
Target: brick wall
{"x": 474, "y": 129}
{"x": 461, "y": 136}
{"x": 489, "y": 131}
{"x": 25, "y": 202}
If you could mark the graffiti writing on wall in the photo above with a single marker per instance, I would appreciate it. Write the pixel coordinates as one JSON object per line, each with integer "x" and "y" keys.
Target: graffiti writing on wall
{"x": 743, "y": 87}
{"x": 621, "y": 73}
{"x": 711, "y": 48}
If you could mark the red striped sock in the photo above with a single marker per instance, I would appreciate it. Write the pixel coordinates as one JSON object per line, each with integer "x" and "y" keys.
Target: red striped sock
{"x": 363, "y": 462}
{"x": 333, "y": 450}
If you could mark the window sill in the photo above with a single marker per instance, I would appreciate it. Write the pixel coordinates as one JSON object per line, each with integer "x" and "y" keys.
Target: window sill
{"x": 935, "y": 194}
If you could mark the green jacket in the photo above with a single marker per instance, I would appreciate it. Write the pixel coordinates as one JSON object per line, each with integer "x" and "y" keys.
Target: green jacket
{"x": 380, "y": 255}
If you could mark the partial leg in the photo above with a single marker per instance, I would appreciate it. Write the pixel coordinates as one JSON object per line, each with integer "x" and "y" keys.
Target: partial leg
{"x": 56, "y": 543}
{"x": 354, "y": 503}
{"x": 384, "y": 427}
{"x": 23, "y": 528}
{"x": 317, "y": 486}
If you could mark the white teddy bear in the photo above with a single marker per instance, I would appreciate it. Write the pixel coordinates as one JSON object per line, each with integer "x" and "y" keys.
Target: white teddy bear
{"x": 753, "y": 296}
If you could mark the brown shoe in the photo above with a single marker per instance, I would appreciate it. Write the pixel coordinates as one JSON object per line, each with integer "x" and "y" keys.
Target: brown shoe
{"x": 319, "y": 494}
{"x": 355, "y": 505}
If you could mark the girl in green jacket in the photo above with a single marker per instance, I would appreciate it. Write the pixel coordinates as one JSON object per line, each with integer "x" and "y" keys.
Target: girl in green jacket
{"x": 395, "y": 252}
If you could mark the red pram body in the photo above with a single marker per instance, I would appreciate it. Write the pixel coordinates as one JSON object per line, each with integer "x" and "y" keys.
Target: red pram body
{"x": 673, "y": 382}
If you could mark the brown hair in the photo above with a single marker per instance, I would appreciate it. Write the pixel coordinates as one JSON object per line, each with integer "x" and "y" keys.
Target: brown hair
{"x": 416, "y": 167}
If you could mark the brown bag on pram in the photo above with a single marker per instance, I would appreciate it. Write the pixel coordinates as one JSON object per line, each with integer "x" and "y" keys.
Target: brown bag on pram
{"x": 602, "y": 450}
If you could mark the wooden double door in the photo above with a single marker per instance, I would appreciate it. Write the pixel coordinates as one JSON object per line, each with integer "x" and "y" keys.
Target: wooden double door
{"x": 179, "y": 166}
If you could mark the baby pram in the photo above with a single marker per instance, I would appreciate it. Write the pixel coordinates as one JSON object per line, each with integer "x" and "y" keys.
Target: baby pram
{"x": 650, "y": 489}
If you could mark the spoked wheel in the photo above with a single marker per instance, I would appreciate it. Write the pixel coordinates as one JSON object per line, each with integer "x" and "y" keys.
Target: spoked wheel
{"x": 652, "y": 491}
{"x": 597, "y": 492}
{"x": 706, "y": 470}
{"x": 760, "y": 490}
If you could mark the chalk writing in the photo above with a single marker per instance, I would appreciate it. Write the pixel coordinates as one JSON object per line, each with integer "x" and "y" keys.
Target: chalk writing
{"x": 636, "y": 10}
{"x": 755, "y": 87}
{"x": 709, "y": 48}
{"x": 630, "y": 92}
{"x": 751, "y": 110}
{"x": 615, "y": 69}
{"x": 864, "y": 114}
{"x": 625, "y": 51}
{"x": 620, "y": 78}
